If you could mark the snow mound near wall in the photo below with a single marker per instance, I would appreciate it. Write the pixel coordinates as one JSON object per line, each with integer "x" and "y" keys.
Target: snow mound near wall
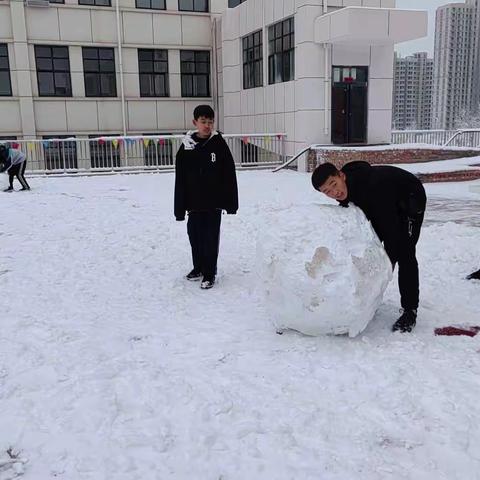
{"x": 322, "y": 269}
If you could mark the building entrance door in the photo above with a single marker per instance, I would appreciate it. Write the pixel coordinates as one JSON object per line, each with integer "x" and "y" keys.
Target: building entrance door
{"x": 349, "y": 104}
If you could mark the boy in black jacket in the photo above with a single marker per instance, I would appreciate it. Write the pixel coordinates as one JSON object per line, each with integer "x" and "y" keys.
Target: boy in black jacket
{"x": 205, "y": 184}
{"x": 394, "y": 201}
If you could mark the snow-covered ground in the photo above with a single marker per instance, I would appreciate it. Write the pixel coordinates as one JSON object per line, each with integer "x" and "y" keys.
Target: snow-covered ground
{"x": 112, "y": 366}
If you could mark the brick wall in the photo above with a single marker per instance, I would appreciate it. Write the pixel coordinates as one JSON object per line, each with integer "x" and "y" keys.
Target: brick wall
{"x": 341, "y": 156}
{"x": 458, "y": 176}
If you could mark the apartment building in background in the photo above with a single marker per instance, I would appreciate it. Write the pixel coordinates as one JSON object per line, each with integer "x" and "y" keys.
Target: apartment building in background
{"x": 319, "y": 71}
{"x": 456, "y": 62}
{"x": 412, "y": 92}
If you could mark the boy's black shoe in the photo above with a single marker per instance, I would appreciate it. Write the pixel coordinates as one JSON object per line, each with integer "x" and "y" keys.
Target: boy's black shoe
{"x": 474, "y": 276}
{"x": 207, "y": 283}
{"x": 9, "y": 189}
{"x": 24, "y": 189}
{"x": 406, "y": 322}
{"x": 194, "y": 275}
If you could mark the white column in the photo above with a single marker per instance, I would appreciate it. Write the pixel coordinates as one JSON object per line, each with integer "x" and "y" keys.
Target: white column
{"x": 23, "y": 68}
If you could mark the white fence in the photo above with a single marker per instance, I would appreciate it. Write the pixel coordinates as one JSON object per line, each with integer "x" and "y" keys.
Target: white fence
{"x": 138, "y": 153}
{"x": 453, "y": 138}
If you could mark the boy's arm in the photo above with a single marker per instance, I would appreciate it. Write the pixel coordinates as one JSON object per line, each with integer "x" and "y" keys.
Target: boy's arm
{"x": 230, "y": 188}
{"x": 179, "y": 201}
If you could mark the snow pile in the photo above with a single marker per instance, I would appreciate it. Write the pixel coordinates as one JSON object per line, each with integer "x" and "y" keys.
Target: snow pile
{"x": 323, "y": 269}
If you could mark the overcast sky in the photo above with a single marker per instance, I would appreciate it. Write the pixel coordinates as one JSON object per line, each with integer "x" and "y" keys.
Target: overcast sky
{"x": 424, "y": 44}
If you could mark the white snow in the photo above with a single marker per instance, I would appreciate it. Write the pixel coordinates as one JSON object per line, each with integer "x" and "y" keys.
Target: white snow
{"x": 113, "y": 367}
{"x": 472, "y": 163}
{"x": 323, "y": 279}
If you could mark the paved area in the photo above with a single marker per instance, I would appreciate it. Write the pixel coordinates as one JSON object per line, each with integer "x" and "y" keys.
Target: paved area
{"x": 442, "y": 210}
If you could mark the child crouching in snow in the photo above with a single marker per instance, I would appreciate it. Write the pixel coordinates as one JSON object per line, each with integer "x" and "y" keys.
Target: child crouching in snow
{"x": 14, "y": 163}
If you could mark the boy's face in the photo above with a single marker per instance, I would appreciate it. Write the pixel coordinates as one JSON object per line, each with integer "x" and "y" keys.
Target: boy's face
{"x": 204, "y": 126}
{"x": 335, "y": 187}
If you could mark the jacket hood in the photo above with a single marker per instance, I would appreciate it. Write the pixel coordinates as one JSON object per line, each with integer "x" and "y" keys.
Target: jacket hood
{"x": 189, "y": 143}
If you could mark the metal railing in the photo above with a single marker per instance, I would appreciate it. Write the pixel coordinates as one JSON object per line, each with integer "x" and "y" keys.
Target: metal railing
{"x": 469, "y": 138}
{"x": 138, "y": 153}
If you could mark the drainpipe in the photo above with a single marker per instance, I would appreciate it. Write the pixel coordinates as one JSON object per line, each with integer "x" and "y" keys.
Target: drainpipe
{"x": 216, "y": 94}
{"x": 120, "y": 57}
{"x": 327, "y": 80}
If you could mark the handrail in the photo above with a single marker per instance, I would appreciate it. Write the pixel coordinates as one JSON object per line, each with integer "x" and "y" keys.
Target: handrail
{"x": 461, "y": 132}
{"x": 299, "y": 154}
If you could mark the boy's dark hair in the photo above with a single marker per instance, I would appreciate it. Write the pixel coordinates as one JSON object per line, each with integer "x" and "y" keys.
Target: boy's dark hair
{"x": 321, "y": 174}
{"x": 203, "y": 111}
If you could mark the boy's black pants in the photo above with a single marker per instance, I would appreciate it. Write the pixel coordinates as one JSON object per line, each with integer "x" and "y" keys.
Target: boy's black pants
{"x": 204, "y": 233}
{"x": 408, "y": 281}
{"x": 18, "y": 171}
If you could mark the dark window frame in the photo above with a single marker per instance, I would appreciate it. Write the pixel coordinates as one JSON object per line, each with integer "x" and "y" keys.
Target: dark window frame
{"x": 95, "y": 3}
{"x": 150, "y": 2}
{"x": 252, "y": 54}
{"x": 150, "y": 71}
{"x": 60, "y": 155}
{"x": 104, "y": 155}
{"x": 6, "y": 68}
{"x": 100, "y": 71}
{"x": 191, "y": 72}
{"x": 158, "y": 153}
{"x": 52, "y": 72}
{"x": 194, "y": 7}
{"x": 281, "y": 51}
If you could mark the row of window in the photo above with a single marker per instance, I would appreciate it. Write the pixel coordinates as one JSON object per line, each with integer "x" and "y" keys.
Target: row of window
{"x": 281, "y": 55}
{"x": 54, "y": 79}
{"x": 183, "y": 5}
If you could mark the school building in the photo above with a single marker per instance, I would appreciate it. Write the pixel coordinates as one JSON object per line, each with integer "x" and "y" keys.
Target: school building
{"x": 320, "y": 71}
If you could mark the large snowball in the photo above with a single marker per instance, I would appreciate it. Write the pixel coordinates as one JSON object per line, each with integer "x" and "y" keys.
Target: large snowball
{"x": 322, "y": 268}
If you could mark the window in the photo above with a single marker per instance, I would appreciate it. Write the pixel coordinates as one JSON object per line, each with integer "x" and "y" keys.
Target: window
{"x": 159, "y": 152}
{"x": 103, "y": 153}
{"x": 97, "y": 3}
{"x": 56, "y": 1}
{"x": 234, "y": 3}
{"x": 253, "y": 60}
{"x": 153, "y": 73}
{"x": 195, "y": 70}
{"x": 281, "y": 48}
{"x": 53, "y": 71}
{"x": 151, "y": 4}
{"x": 60, "y": 155}
{"x": 193, "y": 5}
{"x": 99, "y": 72}
{"x": 5, "y": 85}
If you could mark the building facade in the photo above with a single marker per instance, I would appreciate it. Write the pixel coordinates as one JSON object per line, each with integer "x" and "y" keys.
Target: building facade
{"x": 413, "y": 92}
{"x": 64, "y": 71}
{"x": 322, "y": 72}
{"x": 309, "y": 69}
{"x": 456, "y": 63}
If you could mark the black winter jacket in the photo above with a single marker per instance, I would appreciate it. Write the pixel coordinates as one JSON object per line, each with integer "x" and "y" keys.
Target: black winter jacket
{"x": 205, "y": 177}
{"x": 388, "y": 196}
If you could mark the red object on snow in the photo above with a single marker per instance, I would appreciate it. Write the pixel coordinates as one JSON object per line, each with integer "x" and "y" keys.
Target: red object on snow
{"x": 453, "y": 331}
